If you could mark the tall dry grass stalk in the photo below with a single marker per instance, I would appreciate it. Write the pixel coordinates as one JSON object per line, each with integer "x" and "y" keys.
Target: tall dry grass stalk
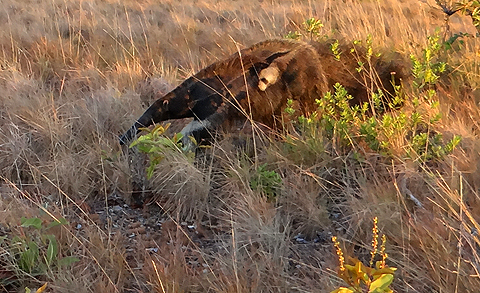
{"x": 70, "y": 82}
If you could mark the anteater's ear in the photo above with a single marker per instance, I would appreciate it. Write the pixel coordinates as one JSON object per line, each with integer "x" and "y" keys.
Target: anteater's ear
{"x": 165, "y": 105}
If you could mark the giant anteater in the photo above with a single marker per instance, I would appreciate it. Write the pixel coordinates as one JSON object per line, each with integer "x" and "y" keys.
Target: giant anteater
{"x": 255, "y": 83}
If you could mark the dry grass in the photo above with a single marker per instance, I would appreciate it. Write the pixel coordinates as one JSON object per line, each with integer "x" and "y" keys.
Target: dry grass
{"x": 69, "y": 82}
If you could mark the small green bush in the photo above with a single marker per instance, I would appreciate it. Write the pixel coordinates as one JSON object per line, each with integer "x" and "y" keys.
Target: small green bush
{"x": 156, "y": 145}
{"x": 36, "y": 251}
{"x": 267, "y": 182}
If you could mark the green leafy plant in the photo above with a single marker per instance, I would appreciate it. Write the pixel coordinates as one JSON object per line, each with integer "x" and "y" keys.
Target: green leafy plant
{"x": 337, "y": 117}
{"x": 36, "y": 251}
{"x": 156, "y": 145}
{"x": 427, "y": 70}
{"x": 311, "y": 27}
{"x": 335, "y": 50}
{"x": 293, "y": 35}
{"x": 448, "y": 44}
{"x": 290, "y": 110}
{"x": 425, "y": 142}
{"x": 265, "y": 181}
{"x": 361, "y": 278}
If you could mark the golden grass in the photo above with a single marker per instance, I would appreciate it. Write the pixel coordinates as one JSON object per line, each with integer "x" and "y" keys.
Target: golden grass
{"x": 69, "y": 83}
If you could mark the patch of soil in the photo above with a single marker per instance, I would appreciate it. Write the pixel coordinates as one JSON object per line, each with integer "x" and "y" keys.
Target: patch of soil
{"x": 148, "y": 231}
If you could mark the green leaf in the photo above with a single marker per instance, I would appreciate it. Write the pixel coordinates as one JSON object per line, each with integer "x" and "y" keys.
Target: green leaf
{"x": 52, "y": 249}
{"x": 31, "y": 222}
{"x": 29, "y": 257}
{"x": 293, "y": 35}
{"x": 56, "y": 222}
{"x": 67, "y": 261}
{"x": 386, "y": 270}
{"x": 177, "y": 137}
{"x": 381, "y": 284}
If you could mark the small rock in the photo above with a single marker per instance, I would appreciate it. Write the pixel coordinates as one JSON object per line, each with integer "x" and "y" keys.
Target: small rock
{"x": 300, "y": 239}
{"x": 117, "y": 209}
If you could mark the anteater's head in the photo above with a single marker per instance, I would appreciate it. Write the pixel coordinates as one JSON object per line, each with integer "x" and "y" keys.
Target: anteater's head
{"x": 157, "y": 112}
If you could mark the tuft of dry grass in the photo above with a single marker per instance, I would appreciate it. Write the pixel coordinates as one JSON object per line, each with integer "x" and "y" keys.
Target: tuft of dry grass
{"x": 75, "y": 74}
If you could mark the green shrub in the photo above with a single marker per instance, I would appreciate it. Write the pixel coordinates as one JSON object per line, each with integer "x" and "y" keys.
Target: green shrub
{"x": 156, "y": 145}
{"x": 267, "y": 182}
{"x": 311, "y": 27}
{"x": 36, "y": 251}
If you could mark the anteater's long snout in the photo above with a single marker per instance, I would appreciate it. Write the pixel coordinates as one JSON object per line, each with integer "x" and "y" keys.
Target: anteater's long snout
{"x": 153, "y": 114}
{"x": 159, "y": 111}
{"x": 128, "y": 136}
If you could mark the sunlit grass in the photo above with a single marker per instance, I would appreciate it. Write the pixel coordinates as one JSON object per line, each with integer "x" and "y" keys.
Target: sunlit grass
{"x": 70, "y": 78}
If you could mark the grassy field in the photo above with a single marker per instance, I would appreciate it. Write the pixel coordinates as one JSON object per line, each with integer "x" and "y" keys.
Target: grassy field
{"x": 70, "y": 82}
